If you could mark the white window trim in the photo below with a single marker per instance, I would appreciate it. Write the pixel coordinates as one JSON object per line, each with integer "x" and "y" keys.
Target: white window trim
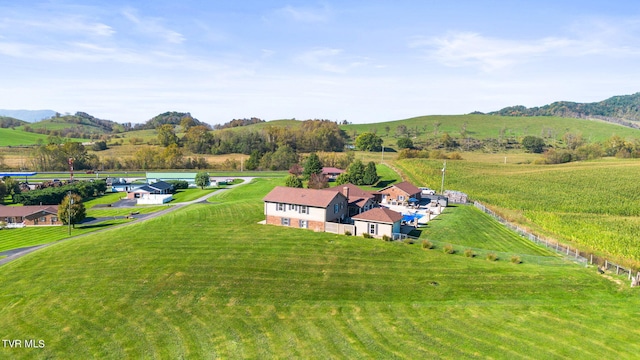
{"x": 304, "y": 209}
{"x": 285, "y": 221}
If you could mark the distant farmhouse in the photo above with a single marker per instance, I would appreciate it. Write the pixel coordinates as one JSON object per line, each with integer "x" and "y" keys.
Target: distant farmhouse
{"x": 154, "y": 194}
{"x": 29, "y": 215}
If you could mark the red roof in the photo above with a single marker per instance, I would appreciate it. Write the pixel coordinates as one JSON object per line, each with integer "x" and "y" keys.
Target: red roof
{"x": 10, "y": 211}
{"x": 381, "y": 215}
{"x": 357, "y": 196}
{"x": 298, "y": 196}
{"x": 405, "y": 186}
{"x": 331, "y": 170}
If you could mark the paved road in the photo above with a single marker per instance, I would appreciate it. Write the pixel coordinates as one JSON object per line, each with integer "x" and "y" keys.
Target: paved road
{"x": 18, "y": 253}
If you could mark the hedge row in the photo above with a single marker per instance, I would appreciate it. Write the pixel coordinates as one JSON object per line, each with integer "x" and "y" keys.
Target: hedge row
{"x": 54, "y": 195}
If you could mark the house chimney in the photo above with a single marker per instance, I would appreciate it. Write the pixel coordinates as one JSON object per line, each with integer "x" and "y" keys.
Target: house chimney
{"x": 345, "y": 192}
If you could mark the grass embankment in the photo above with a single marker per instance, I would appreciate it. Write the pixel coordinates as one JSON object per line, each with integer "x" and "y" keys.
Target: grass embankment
{"x": 208, "y": 281}
{"x": 593, "y": 205}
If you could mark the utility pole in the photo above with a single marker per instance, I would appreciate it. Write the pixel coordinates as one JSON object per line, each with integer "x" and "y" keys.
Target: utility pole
{"x": 444, "y": 169}
{"x": 69, "y": 212}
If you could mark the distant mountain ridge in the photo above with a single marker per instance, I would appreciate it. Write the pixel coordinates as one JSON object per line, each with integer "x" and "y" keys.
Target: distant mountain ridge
{"x": 28, "y": 115}
{"x": 623, "y": 110}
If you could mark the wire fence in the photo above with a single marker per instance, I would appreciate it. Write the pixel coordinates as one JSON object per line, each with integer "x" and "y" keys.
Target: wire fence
{"x": 565, "y": 250}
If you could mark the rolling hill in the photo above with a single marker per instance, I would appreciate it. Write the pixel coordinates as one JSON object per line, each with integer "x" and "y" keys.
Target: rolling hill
{"x": 28, "y": 115}
{"x": 624, "y": 110}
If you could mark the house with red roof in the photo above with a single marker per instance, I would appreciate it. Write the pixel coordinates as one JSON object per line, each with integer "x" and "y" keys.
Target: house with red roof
{"x": 399, "y": 194}
{"x": 331, "y": 173}
{"x": 377, "y": 222}
{"x": 304, "y": 208}
{"x": 29, "y": 215}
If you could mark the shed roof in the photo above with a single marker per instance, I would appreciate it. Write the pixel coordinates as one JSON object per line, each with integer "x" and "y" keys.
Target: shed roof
{"x": 298, "y": 196}
{"x": 331, "y": 170}
{"x": 381, "y": 215}
{"x": 405, "y": 186}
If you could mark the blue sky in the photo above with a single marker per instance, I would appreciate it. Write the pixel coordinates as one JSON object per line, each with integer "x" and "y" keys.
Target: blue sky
{"x": 363, "y": 61}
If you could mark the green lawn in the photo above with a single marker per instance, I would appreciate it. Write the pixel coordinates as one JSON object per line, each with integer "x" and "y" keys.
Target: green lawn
{"x": 207, "y": 281}
{"x": 10, "y": 137}
{"x": 108, "y": 212}
{"x": 191, "y": 194}
{"x": 38, "y": 235}
{"x": 108, "y": 198}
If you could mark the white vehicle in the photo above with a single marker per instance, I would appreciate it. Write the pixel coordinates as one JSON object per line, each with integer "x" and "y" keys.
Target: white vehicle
{"x": 427, "y": 191}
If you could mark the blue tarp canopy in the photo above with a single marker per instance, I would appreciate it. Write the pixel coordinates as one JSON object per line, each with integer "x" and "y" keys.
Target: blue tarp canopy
{"x": 413, "y": 199}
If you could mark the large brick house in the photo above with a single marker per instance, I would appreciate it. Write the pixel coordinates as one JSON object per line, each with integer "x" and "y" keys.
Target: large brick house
{"x": 399, "y": 194}
{"x": 304, "y": 208}
{"x": 30, "y": 215}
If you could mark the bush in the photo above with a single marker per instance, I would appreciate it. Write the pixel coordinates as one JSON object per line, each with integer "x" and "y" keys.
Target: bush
{"x": 347, "y": 232}
{"x": 426, "y": 244}
{"x": 179, "y": 184}
{"x": 408, "y": 241}
{"x": 386, "y": 237}
{"x": 516, "y": 259}
{"x": 367, "y": 236}
{"x": 448, "y": 249}
{"x": 469, "y": 253}
{"x": 492, "y": 257}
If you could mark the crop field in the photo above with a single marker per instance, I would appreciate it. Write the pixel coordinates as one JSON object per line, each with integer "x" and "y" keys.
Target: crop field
{"x": 207, "y": 281}
{"x": 593, "y": 205}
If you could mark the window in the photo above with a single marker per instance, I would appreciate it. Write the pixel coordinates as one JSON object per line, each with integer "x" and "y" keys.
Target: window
{"x": 400, "y": 197}
{"x": 284, "y": 221}
{"x": 304, "y": 209}
{"x": 293, "y": 207}
{"x": 280, "y": 207}
{"x": 43, "y": 219}
{"x": 304, "y": 224}
{"x": 336, "y": 208}
{"x": 54, "y": 219}
{"x": 372, "y": 229}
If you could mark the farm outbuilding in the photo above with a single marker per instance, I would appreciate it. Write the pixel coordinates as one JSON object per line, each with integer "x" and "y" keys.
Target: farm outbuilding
{"x": 189, "y": 177}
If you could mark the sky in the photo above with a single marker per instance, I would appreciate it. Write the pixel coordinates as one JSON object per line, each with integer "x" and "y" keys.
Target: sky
{"x": 360, "y": 61}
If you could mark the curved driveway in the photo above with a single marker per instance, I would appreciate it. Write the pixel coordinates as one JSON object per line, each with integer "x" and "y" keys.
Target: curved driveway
{"x": 18, "y": 253}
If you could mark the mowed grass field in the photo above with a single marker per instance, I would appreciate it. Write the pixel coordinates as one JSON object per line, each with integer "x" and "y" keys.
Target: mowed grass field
{"x": 594, "y": 205}
{"x": 207, "y": 281}
{"x": 11, "y": 137}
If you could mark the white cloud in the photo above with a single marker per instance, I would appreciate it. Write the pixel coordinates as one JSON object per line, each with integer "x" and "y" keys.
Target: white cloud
{"x": 330, "y": 60}
{"x": 472, "y": 49}
{"x": 307, "y": 14}
{"x": 153, "y": 26}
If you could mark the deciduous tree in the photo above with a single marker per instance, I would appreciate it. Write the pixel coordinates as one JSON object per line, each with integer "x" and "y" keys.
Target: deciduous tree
{"x": 203, "y": 179}
{"x": 71, "y": 208}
